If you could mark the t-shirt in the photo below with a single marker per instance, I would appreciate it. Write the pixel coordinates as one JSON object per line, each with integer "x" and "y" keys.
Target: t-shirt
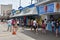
{"x": 34, "y": 23}
{"x": 9, "y": 22}
{"x": 43, "y": 25}
{"x": 52, "y": 23}
{"x": 17, "y": 22}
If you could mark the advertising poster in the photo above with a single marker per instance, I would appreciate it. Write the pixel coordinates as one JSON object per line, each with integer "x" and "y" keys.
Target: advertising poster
{"x": 41, "y": 10}
{"x": 58, "y": 7}
{"x": 50, "y": 7}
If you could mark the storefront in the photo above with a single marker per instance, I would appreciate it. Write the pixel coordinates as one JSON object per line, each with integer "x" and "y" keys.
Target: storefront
{"x": 28, "y": 13}
{"x": 49, "y": 11}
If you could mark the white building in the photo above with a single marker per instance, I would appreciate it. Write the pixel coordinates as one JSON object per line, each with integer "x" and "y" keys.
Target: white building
{"x": 27, "y": 11}
{"x": 4, "y": 9}
{"x": 50, "y": 10}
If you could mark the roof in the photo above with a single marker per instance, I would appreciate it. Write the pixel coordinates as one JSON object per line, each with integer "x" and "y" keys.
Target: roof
{"x": 30, "y": 6}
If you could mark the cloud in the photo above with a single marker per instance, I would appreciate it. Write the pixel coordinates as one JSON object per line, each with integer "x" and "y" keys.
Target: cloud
{"x": 16, "y": 3}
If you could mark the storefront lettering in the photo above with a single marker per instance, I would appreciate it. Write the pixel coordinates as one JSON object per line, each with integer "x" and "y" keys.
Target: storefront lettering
{"x": 26, "y": 10}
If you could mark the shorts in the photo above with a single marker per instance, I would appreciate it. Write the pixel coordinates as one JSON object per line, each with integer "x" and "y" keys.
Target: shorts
{"x": 34, "y": 27}
{"x": 13, "y": 24}
{"x": 9, "y": 25}
{"x": 18, "y": 24}
{"x": 22, "y": 25}
{"x": 57, "y": 27}
{"x": 30, "y": 25}
{"x": 52, "y": 26}
{"x": 43, "y": 27}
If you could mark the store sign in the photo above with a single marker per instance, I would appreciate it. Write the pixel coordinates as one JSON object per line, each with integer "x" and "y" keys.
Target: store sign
{"x": 50, "y": 7}
{"x": 26, "y": 10}
{"x": 37, "y": 8}
{"x": 58, "y": 7}
{"x": 41, "y": 10}
{"x": 17, "y": 11}
{"x": 13, "y": 11}
{"x": 46, "y": 8}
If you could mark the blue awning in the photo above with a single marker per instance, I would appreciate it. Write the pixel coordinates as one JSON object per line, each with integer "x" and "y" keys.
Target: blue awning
{"x": 30, "y": 6}
{"x": 20, "y": 8}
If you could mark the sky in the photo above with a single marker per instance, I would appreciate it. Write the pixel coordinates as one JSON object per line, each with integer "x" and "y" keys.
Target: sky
{"x": 16, "y": 3}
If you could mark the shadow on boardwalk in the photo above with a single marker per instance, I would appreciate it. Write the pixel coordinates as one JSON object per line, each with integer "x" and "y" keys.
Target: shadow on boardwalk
{"x": 40, "y": 35}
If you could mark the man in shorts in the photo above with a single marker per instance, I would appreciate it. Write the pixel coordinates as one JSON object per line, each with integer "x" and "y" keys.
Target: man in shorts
{"x": 35, "y": 25}
{"x": 9, "y": 25}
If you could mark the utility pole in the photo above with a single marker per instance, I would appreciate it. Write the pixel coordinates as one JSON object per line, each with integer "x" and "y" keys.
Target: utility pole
{"x": 31, "y": 1}
{"x": 20, "y": 3}
{"x": 36, "y": 1}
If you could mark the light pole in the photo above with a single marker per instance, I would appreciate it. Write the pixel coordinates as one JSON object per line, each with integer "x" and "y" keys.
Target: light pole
{"x": 20, "y": 7}
{"x": 31, "y": 1}
{"x": 20, "y": 3}
{"x": 35, "y": 1}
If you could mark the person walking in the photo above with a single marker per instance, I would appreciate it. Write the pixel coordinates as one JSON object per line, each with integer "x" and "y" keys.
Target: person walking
{"x": 14, "y": 23}
{"x": 23, "y": 25}
{"x": 17, "y": 22}
{"x": 35, "y": 25}
{"x": 52, "y": 25}
{"x": 9, "y": 25}
{"x": 31, "y": 24}
{"x": 43, "y": 27}
{"x": 49, "y": 26}
{"x": 57, "y": 27}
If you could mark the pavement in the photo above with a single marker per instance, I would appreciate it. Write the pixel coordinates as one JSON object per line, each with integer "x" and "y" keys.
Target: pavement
{"x": 25, "y": 34}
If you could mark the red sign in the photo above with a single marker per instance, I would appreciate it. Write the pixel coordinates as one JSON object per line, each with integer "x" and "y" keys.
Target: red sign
{"x": 45, "y": 8}
{"x": 57, "y": 6}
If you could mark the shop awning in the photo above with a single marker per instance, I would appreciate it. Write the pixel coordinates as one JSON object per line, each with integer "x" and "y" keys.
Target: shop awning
{"x": 32, "y": 11}
{"x": 44, "y": 2}
{"x": 51, "y": 13}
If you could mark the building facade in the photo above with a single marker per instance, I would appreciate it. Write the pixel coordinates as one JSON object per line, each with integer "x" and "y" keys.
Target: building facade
{"x": 5, "y": 9}
{"x": 49, "y": 10}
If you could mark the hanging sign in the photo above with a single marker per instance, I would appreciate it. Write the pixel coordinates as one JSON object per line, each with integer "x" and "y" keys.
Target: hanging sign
{"x": 26, "y": 10}
{"x": 50, "y": 7}
{"x": 41, "y": 10}
{"x": 45, "y": 8}
{"x": 58, "y": 7}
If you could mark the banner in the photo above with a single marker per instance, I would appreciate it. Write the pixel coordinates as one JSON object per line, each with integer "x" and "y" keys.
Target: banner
{"x": 41, "y": 10}
{"x": 58, "y": 7}
{"x": 26, "y": 10}
{"x": 45, "y": 8}
{"x": 50, "y": 7}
